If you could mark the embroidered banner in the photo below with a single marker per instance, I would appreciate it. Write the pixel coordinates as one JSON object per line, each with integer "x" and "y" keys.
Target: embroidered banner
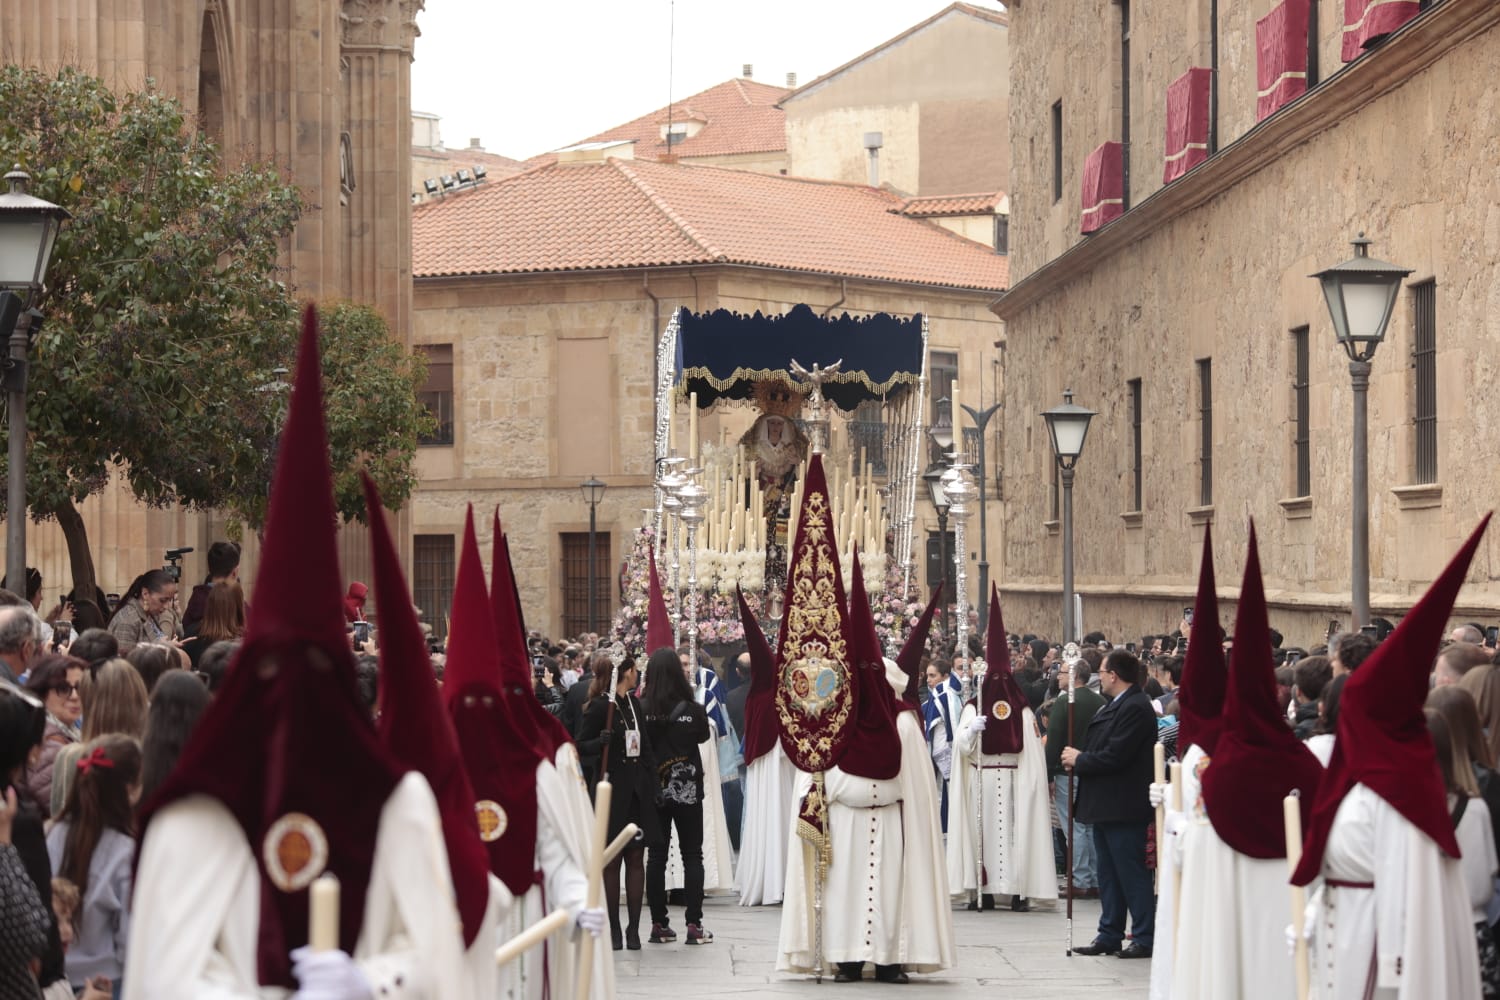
{"x": 1103, "y": 187}
{"x": 1187, "y": 123}
{"x": 1280, "y": 57}
{"x": 1366, "y": 22}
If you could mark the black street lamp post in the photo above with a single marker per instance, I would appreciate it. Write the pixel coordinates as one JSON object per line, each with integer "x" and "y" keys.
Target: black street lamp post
{"x": 1068, "y": 425}
{"x": 593, "y": 492}
{"x": 981, "y": 420}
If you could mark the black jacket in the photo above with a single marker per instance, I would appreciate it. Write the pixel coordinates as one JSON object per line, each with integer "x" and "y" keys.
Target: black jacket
{"x": 1116, "y": 763}
{"x": 576, "y": 697}
{"x": 633, "y": 778}
{"x": 674, "y": 739}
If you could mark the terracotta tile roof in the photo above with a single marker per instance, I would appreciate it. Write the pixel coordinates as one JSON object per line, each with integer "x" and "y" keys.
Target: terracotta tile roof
{"x": 498, "y": 166}
{"x": 982, "y": 13}
{"x": 738, "y": 116}
{"x": 634, "y": 213}
{"x": 932, "y": 206}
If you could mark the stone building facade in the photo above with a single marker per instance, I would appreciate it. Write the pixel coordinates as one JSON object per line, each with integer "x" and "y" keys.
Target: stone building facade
{"x": 322, "y": 90}
{"x": 1190, "y": 322}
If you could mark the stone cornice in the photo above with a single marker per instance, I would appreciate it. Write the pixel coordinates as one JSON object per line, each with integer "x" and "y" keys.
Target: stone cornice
{"x": 1414, "y": 48}
{"x": 379, "y": 24}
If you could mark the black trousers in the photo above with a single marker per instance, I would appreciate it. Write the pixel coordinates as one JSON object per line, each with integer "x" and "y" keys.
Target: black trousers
{"x": 689, "y": 823}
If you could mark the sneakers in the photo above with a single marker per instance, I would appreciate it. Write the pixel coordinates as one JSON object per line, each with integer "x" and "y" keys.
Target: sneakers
{"x": 661, "y": 933}
{"x": 697, "y": 935}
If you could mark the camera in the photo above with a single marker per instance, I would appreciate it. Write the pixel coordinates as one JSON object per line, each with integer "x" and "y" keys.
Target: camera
{"x": 173, "y": 567}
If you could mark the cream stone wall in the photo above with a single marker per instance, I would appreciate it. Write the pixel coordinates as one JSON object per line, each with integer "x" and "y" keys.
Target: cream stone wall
{"x": 939, "y": 98}
{"x": 1224, "y": 275}
{"x": 517, "y": 406}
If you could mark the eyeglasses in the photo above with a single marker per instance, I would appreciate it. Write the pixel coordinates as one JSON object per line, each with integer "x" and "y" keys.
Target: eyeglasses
{"x": 65, "y": 689}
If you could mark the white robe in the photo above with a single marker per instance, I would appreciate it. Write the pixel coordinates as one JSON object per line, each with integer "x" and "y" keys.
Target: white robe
{"x": 885, "y": 900}
{"x": 718, "y": 855}
{"x": 769, "y": 809}
{"x": 1017, "y": 837}
{"x": 481, "y": 979}
{"x": 1170, "y": 854}
{"x": 1413, "y": 933}
{"x": 196, "y": 911}
{"x": 566, "y": 812}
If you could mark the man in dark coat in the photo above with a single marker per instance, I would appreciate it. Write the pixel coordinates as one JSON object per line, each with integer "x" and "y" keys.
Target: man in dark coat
{"x": 1114, "y": 771}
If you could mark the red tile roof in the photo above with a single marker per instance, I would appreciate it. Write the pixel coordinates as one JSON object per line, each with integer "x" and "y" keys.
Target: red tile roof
{"x": 738, "y": 116}
{"x": 634, "y": 213}
{"x": 932, "y": 206}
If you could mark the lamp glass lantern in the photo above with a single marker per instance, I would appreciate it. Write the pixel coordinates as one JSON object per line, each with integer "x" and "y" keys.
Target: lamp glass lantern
{"x": 933, "y": 477}
{"x": 28, "y": 233}
{"x": 1361, "y": 294}
{"x": 592, "y": 489}
{"x": 1068, "y": 426}
{"x": 942, "y": 431}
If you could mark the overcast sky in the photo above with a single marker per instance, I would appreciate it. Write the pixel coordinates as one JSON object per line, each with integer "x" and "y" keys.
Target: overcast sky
{"x": 530, "y": 77}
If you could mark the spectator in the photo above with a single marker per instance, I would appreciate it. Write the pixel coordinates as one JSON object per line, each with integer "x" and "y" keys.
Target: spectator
{"x": 55, "y": 681}
{"x": 367, "y": 679}
{"x": 94, "y": 646}
{"x": 1321, "y": 742}
{"x": 65, "y": 900}
{"x": 1114, "y": 772}
{"x": 1312, "y": 674}
{"x": 25, "y": 876}
{"x": 1033, "y": 685}
{"x": 1456, "y": 660}
{"x": 145, "y": 613}
{"x": 940, "y": 714}
{"x": 34, "y": 598}
{"x": 223, "y": 618}
{"x": 214, "y": 664}
{"x": 354, "y": 602}
{"x": 1457, "y": 707}
{"x": 734, "y": 702}
{"x": 223, "y": 567}
{"x": 1483, "y": 683}
{"x": 179, "y": 703}
{"x": 1286, "y": 684}
{"x": 115, "y": 702}
{"x": 18, "y": 641}
{"x": 1470, "y": 633}
{"x": 1085, "y": 706}
{"x": 1347, "y": 650}
{"x": 152, "y": 660}
{"x": 92, "y": 845}
{"x": 547, "y": 679}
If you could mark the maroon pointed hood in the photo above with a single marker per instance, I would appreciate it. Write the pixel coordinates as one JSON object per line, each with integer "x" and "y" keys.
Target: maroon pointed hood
{"x": 910, "y": 658}
{"x": 658, "y": 621}
{"x": 415, "y": 728}
{"x": 1002, "y": 700}
{"x": 760, "y": 703}
{"x": 542, "y": 731}
{"x": 1205, "y": 678}
{"x": 287, "y": 746}
{"x": 1383, "y": 742}
{"x": 502, "y": 767}
{"x": 874, "y": 748}
{"x": 1258, "y": 761}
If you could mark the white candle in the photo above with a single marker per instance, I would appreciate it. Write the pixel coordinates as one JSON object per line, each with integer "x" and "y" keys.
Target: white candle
{"x": 693, "y": 425}
{"x": 323, "y": 917}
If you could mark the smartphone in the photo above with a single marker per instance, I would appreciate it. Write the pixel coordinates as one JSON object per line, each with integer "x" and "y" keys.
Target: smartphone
{"x": 1369, "y": 630}
{"x": 1334, "y": 628}
{"x": 361, "y": 633}
{"x": 1130, "y": 647}
{"x": 62, "y": 631}
{"x": 1187, "y": 615}
{"x": 1491, "y": 636}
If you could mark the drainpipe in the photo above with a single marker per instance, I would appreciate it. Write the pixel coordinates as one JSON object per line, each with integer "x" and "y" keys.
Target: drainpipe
{"x": 843, "y": 294}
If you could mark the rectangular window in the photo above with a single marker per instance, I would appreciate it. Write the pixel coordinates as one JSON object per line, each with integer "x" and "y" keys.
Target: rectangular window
{"x": 937, "y": 571}
{"x": 1002, "y": 234}
{"x": 1055, "y": 504}
{"x": 1213, "y": 80}
{"x": 1125, "y": 101}
{"x": 432, "y": 580}
{"x": 575, "y": 582}
{"x": 1135, "y": 444}
{"x": 1424, "y": 357}
{"x": 1057, "y": 152}
{"x": 942, "y": 373}
{"x": 867, "y": 433}
{"x": 1312, "y": 45}
{"x": 437, "y": 392}
{"x": 1206, "y": 427}
{"x": 1301, "y": 435}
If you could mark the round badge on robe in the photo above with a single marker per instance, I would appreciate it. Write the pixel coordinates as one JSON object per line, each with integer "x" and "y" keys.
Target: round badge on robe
{"x": 492, "y": 820}
{"x": 1001, "y": 710}
{"x": 295, "y": 851}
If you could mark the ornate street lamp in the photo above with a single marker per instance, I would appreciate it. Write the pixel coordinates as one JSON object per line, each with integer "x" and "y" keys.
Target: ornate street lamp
{"x": 28, "y": 232}
{"x": 1068, "y": 426}
{"x": 933, "y": 477}
{"x": 592, "y": 489}
{"x": 1361, "y": 292}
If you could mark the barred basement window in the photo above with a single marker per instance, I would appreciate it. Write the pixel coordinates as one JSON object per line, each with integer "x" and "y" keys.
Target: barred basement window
{"x": 1135, "y": 444}
{"x": 1424, "y": 358}
{"x": 575, "y": 582}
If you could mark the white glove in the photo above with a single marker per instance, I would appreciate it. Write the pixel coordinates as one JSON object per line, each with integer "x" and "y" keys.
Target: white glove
{"x": 592, "y": 921}
{"x": 1175, "y": 821}
{"x": 976, "y": 724}
{"x": 1157, "y": 793}
{"x": 328, "y": 975}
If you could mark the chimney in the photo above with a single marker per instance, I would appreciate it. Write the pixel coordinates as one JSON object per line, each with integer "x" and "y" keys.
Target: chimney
{"x": 873, "y": 142}
{"x": 474, "y": 144}
{"x": 791, "y": 81}
{"x": 748, "y": 72}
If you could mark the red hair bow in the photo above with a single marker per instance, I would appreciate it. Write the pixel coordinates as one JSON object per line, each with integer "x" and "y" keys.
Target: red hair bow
{"x": 96, "y": 759}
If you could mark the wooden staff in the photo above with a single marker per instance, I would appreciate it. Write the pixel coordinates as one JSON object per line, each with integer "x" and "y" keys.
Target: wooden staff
{"x": 1292, "y": 808}
{"x": 323, "y": 913}
{"x": 533, "y": 936}
{"x": 603, "y": 793}
{"x": 979, "y": 869}
{"x": 1176, "y": 771}
{"x": 1072, "y": 808}
{"x": 1159, "y": 775}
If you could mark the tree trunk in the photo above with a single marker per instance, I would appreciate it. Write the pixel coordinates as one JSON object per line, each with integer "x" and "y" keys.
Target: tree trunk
{"x": 79, "y": 557}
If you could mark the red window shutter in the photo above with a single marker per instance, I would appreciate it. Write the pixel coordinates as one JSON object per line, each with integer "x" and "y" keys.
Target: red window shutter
{"x": 1103, "y": 186}
{"x": 1368, "y": 21}
{"x": 1187, "y": 123}
{"x": 1281, "y": 57}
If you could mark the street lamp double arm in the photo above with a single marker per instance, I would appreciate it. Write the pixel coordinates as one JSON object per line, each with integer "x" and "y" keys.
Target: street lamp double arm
{"x": 28, "y": 233}
{"x": 1361, "y": 294}
{"x": 1067, "y": 426}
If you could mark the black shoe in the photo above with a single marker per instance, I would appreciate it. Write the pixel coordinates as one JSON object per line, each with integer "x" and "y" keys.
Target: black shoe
{"x": 1020, "y": 904}
{"x": 1098, "y": 947}
{"x": 891, "y": 974}
{"x": 632, "y": 939}
{"x": 849, "y": 972}
{"x": 615, "y": 940}
{"x": 1135, "y": 951}
{"x": 987, "y": 901}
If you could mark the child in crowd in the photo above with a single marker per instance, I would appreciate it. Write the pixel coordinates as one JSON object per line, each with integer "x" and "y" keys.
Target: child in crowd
{"x": 65, "y": 899}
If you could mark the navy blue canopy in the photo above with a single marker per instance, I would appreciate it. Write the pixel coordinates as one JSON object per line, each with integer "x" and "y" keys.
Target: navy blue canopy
{"x": 721, "y": 355}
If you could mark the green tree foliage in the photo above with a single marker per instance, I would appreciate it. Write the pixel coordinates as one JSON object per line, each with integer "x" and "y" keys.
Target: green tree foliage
{"x": 167, "y": 311}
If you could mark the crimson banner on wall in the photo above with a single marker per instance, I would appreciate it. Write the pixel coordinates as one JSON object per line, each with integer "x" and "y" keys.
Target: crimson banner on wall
{"x": 1187, "y": 123}
{"x": 1281, "y": 57}
{"x": 1368, "y": 21}
{"x": 1103, "y": 187}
